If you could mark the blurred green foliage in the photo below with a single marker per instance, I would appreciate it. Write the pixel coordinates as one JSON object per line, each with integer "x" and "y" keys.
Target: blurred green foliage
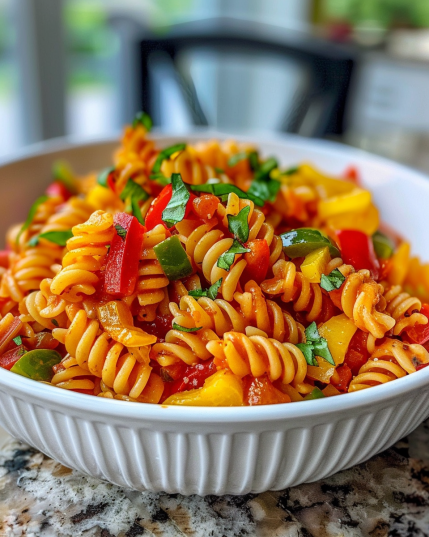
{"x": 386, "y": 13}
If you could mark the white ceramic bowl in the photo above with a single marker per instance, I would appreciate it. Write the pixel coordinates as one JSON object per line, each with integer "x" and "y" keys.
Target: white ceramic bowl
{"x": 219, "y": 450}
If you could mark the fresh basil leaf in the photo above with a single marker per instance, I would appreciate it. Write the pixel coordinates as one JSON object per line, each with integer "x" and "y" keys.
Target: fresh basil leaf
{"x": 254, "y": 160}
{"x": 308, "y": 352}
{"x": 213, "y": 290}
{"x": 223, "y": 189}
{"x": 291, "y": 171}
{"x": 239, "y": 225}
{"x": 321, "y": 349}
{"x": 17, "y": 340}
{"x": 121, "y": 231}
{"x": 57, "y": 237}
{"x": 266, "y": 168}
{"x": 103, "y": 176}
{"x": 311, "y": 332}
{"x": 176, "y": 207}
{"x": 235, "y": 159}
{"x": 160, "y": 179}
{"x": 265, "y": 190}
{"x": 332, "y": 281}
{"x": 227, "y": 259}
{"x": 62, "y": 172}
{"x": 197, "y": 293}
{"x": 184, "y": 329}
{"x": 31, "y": 214}
{"x": 143, "y": 119}
{"x": 165, "y": 154}
{"x": 55, "y": 322}
{"x": 134, "y": 193}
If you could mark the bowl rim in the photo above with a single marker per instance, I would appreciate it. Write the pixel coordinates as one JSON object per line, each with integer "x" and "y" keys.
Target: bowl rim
{"x": 77, "y": 402}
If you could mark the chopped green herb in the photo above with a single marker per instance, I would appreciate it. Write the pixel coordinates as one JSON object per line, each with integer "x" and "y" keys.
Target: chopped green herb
{"x": 57, "y": 237}
{"x": 134, "y": 193}
{"x": 17, "y": 340}
{"x": 31, "y": 214}
{"x": 266, "y": 190}
{"x": 235, "y": 159}
{"x": 184, "y": 329}
{"x": 166, "y": 154}
{"x": 218, "y": 170}
{"x": 55, "y": 322}
{"x": 315, "y": 346}
{"x": 103, "y": 176}
{"x": 254, "y": 160}
{"x": 121, "y": 231}
{"x": 211, "y": 292}
{"x": 332, "y": 281}
{"x": 160, "y": 179}
{"x": 223, "y": 189}
{"x": 227, "y": 259}
{"x": 291, "y": 171}
{"x": 266, "y": 168}
{"x": 239, "y": 225}
{"x": 143, "y": 119}
{"x": 62, "y": 172}
{"x": 176, "y": 207}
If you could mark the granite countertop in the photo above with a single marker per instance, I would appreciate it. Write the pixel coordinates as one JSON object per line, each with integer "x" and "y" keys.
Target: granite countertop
{"x": 386, "y": 496}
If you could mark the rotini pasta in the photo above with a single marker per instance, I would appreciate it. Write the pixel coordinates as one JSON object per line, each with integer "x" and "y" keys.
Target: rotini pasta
{"x": 205, "y": 262}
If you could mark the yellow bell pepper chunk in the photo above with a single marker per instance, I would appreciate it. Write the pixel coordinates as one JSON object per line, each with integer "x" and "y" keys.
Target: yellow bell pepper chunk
{"x": 116, "y": 319}
{"x": 314, "y": 264}
{"x": 103, "y": 197}
{"x": 356, "y": 200}
{"x": 338, "y": 332}
{"x": 400, "y": 263}
{"x": 221, "y": 389}
{"x": 330, "y": 391}
{"x": 367, "y": 221}
{"x": 329, "y": 185}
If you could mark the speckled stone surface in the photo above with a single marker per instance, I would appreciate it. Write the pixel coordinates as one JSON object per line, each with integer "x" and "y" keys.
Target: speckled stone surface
{"x": 386, "y": 496}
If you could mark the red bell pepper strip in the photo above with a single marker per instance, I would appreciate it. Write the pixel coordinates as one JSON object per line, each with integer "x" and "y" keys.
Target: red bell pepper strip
{"x": 154, "y": 214}
{"x": 258, "y": 260}
{"x": 58, "y": 189}
{"x": 9, "y": 358}
{"x": 124, "y": 254}
{"x": 420, "y": 332}
{"x": 345, "y": 376}
{"x": 357, "y": 353}
{"x": 357, "y": 250}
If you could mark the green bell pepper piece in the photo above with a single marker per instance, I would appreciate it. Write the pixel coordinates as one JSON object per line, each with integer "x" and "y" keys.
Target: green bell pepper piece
{"x": 383, "y": 246}
{"x": 316, "y": 393}
{"x": 300, "y": 242}
{"x": 37, "y": 364}
{"x": 173, "y": 259}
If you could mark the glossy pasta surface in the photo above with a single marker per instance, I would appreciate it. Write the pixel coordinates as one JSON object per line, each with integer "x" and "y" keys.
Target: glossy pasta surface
{"x": 208, "y": 275}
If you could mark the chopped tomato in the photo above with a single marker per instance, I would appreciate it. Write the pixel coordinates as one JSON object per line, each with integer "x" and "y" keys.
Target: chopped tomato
{"x": 420, "y": 332}
{"x": 193, "y": 377}
{"x": 260, "y": 391}
{"x": 205, "y": 206}
{"x": 159, "y": 327}
{"x": 357, "y": 249}
{"x": 345, "y": 376}
{"x": 58, "y": 189}
{"x": 57, "y": 368}
{"x": 42, "y": 340}
{"x": 9, "y": 358}
{"x": 421, "y": 366}
{"x": 258, "y": 260}
{"x": 172, "y": 372}
{"x": 357, "y": 353}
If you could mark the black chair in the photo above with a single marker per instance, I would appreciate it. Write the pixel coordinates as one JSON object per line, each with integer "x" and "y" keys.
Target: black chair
{"x": 152, "y": 62}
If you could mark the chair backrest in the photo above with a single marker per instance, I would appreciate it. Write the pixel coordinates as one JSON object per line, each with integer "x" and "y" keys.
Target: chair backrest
{"x": 316, "y": 77}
